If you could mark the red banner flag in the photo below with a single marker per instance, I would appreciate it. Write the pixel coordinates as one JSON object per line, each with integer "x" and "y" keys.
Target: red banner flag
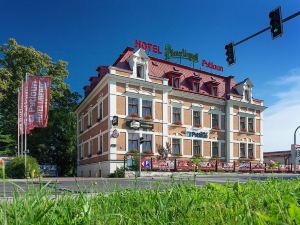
{"x": 38, "y": 101}
{"x": 34, "y": 103}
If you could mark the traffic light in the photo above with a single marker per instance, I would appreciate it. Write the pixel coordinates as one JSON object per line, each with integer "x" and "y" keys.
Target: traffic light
{"x": 275, "y": 23}
{"x": 230, "y": 58}
{"x": 115, "y": 121}
{"x": 141, "y": 140}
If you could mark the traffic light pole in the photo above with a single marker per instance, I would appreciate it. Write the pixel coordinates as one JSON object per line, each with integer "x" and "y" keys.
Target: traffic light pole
{"x": 267, "y": 28}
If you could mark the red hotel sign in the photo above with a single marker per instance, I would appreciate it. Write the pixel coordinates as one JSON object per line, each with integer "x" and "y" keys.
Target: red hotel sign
{"x": 147, "y": 46}
{"x": 211, "y": 65}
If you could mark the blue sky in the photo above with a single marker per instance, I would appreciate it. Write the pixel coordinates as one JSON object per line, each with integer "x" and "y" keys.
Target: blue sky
{"x": 91, "y": 33}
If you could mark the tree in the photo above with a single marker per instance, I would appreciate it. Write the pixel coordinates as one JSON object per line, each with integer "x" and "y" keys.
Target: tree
{"x": 56, "y": 143}
{"x": 7, "y": 145}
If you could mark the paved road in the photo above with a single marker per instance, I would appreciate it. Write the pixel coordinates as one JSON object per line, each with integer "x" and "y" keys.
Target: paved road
{"x": 91, "y": 185}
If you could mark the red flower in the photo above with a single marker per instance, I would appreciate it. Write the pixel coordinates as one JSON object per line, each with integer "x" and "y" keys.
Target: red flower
{"x": 134, "y": 115}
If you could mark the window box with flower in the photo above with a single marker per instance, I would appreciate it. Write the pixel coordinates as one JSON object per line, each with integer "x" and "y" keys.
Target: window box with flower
{"x": 197, "y": 125}
{"x": 177, "y": 123}
{"x": 134, "y": 115}
{"x": 148, "y": 117}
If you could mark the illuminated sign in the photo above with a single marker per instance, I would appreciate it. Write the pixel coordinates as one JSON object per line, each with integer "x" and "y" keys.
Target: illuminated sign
{"x": 147, "y": 46}
{"x": 171, "y": 53}
{"x": 211, "y": 65}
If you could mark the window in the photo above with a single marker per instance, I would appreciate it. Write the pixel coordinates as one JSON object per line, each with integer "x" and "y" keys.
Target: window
{"x": 80, "y": 126}
{"x": 100, "y": 144}
{"x": 90, "y": 147}
{"x": 196, "y": 147}
{"x": 147, "y": 144}
{"x": 100, "y": 111}
{"x": 250, "y": 125}
{"x": 90, "y": 118}
{"x": 176, "y": 82}
{"x": 176, "y": 115}
{"x": 176, "y": 146}
{"x": 215, "y": 149}
{"x": 195, "y": 86}
{"x": 214, "y": 91}
{"x": 215, "y": 121}
{"x": 133, "y": 107}
{"x": 80, "y": 151}
{"x": 242, "y": 150}
{"x": 243, "y": 123}
{"x": 250, "y": 151}
{"x": 133, "y": 140}
{"x": 196, "y": 119}
{"x": 147, "y": 109}
{"x": 247, "y": 95}
{"x": 140, "y": 71}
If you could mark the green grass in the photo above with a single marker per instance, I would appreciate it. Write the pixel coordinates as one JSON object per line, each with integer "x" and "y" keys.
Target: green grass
{"x": 270, "y": 202}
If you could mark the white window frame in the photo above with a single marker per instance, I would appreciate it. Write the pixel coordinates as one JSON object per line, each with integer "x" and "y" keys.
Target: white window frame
{"x": 100, "y": 144}
{"x": 211, "y": 149}
{"x": 177, "y": 104}
{"x": 90, "y": 147}
{"x": 201, "y": 146}
{"x": 246, "y": 115}
{"x": 80, "y": 125}
{"x": 90, "y": 118}
{"x": 201, "y": 117}
{"x": 80, "y": 151}
{"x": 180, "y": 143}
{"x": 100, "y": 109}
{"x": 143, "y": 71}
{"x": 246, "y": 149}
{"x": 141, "y": 104}
{"x": 152, "y": 142}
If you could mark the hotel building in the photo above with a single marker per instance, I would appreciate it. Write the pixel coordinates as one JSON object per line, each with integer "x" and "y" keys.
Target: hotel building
{"x": 197, "y": 113}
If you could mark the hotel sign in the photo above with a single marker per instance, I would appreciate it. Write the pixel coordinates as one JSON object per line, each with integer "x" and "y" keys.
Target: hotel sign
{"x": 171, "y": 53}
{"x": 147, "y": 46}
{"x": 211, "y": 65}
{"x": 134, "y": 124}
{"x": 197, "y": 134}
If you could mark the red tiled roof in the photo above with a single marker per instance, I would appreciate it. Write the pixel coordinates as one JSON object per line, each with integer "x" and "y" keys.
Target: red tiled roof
{"x": 277, "y": 153}
{"x": 162, "y": 67}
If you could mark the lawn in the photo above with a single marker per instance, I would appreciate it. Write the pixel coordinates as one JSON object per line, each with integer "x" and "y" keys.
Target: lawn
{"x": 270, "y": 202}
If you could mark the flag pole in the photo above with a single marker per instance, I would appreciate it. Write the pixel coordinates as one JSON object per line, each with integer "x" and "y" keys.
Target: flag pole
{"x": 22, "y": 136}
{"x": 18, "y": 122}
{"x": 26, "y": 91}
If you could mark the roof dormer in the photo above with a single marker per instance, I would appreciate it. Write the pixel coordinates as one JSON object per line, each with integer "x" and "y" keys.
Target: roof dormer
{"x": 244, "y": 89}
{"x": 212, "y": 87}
{"x": 139, "y": 63}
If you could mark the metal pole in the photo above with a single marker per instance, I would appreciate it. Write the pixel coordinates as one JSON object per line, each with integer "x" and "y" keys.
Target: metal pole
{"x": 26, "y": 94}
{"x": 140, "y": 158}
{"x": 295, "y": 143}
{"x": 18, "y": 122}
{"x": 22, "y": 135}
{"x": 267, "y": 28}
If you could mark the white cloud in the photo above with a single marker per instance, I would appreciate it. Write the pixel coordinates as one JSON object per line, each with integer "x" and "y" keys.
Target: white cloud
{"x": 283, "y": 117}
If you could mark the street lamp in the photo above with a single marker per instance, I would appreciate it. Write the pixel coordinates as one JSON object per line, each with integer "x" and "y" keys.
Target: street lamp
{"x": 295, "y": 143}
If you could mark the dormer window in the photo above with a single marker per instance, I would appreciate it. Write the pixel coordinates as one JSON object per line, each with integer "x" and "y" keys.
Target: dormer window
{"x": 140, "y": 71}
{"x": 247, "y": 95}
{"x": 195, "y": 86}
{"x": 212, "y": 87}
{"x": 176, "y": 82}
{"x": 139, "y": 64}
{"x": 214, "y": 90}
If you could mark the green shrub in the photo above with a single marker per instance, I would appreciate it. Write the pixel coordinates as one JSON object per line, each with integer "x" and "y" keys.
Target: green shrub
{"x": 119, "y": 173}
{"x": 1, "y": 173}
{"x": 16, "y": 167}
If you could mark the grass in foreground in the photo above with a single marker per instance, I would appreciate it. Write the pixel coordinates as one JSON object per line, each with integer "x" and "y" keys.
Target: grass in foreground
{"x": 270, "y": 202}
